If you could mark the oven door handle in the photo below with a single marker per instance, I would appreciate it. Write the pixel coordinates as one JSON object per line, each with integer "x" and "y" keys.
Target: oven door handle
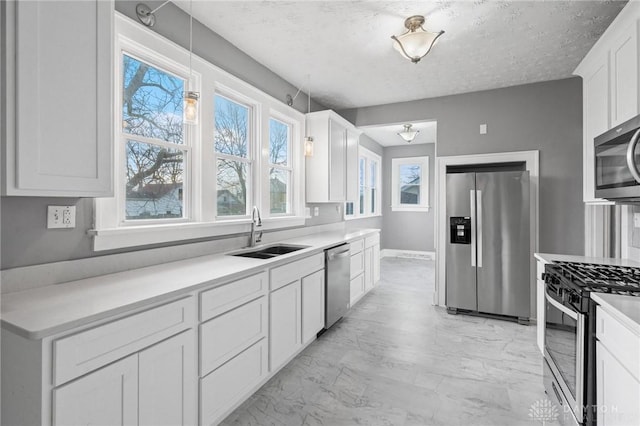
{"x": 631, "y": 158}
{"x": 562, "y": 308}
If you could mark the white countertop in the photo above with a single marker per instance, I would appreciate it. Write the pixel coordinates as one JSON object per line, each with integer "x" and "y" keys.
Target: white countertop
{"x": 624, "y": 308}
{"x": 45, "y": 311}
{"x": 550, "y": 258}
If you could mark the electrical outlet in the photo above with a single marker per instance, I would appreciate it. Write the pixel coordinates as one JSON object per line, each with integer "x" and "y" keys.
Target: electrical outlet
{"x": 636, "y": 220}
{"x": 61, "y": 217}
{"x": 483, "y": 129}
{"x": 316, "y": 211}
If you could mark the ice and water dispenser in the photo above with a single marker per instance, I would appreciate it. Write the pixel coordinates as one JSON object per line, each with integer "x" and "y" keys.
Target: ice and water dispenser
{"x": 460, "y": 229}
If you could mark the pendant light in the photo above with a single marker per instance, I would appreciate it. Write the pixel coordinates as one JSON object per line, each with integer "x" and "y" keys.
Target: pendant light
{"x": 191, "y": 97}
{"x": 308, "y": 140}
{"x": 416, "y": 42}
{"x": 408, "y": 134}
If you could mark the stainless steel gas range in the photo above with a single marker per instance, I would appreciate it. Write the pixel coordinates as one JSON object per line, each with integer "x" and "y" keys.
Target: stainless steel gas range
{"x": 569, "y": 349}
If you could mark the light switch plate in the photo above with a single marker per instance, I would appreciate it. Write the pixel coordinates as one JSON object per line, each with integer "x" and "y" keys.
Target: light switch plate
{"x": 61, "y": 217}
{"x": 483, "y": 129}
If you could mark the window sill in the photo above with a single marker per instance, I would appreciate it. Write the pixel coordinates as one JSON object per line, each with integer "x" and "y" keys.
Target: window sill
{"x": 132, "y": 236}
{"x": 422, "y": 209}
{"x": 362, "y": 216}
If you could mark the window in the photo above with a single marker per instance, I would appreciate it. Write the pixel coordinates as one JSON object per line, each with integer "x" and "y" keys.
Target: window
{"x": 233, "y": 156}
{"x": 368, "y": 203}
{"x": 152, "y": 133}
{"x": 410, "y": 184}
{"x": 279, "y": 167}
{"x": 175, "y": 182}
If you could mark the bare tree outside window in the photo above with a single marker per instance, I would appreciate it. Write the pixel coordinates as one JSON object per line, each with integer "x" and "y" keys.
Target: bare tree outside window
{"x": 152, "y": 111}
{"x": 280, "y": 171}
{"x": 231, "y": 141}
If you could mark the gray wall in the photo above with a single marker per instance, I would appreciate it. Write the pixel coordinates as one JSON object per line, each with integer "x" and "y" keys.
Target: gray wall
{"x": 543, "y": 116}
{"x": 407, "y": 230}
{"x": 25, "y": 239}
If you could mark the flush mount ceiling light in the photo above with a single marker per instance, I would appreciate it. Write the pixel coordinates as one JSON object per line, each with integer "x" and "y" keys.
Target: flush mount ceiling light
{"x": 408, "y": 134}
{"x": 416, "y": 42}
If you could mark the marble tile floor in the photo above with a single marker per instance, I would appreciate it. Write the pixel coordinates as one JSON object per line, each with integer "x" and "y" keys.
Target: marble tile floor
{"x": 397, "y": 360}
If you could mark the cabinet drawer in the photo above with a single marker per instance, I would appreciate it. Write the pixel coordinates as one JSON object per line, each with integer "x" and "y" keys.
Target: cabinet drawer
{"x": 372, "y": 241}
{"x": 357, "y": 264}
{"x": 229, "y": 384}
{"x": 225, "y": 336}
{"x": 285, "y": 274}
{"x": 620, "y": 341}
{"x": 228, "y": 296}
{"x": 356, "y": 246}
{"x": 80, "y": 353}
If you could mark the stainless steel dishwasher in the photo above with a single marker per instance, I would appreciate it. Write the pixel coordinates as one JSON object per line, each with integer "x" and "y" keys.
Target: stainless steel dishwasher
{"x": 337, "y": 270}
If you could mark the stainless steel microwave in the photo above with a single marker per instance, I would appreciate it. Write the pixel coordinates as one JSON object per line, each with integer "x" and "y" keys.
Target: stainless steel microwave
{"x": 617, "y": 162}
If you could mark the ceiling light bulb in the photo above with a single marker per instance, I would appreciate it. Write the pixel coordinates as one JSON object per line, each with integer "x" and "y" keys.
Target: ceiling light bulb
{"x": 408, "y": 134}
{"x": 191, "y": 107}
{"x": 416, "y": 42}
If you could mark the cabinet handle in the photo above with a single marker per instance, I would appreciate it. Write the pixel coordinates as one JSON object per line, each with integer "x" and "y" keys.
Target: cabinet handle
{"x": 631, "y": 160}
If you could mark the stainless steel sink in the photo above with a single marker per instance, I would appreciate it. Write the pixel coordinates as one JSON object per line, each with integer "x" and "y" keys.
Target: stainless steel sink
{"x": 269, "y": 252}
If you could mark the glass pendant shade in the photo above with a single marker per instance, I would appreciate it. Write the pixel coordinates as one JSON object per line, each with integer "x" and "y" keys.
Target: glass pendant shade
{"x": 191, "y": 107}
{"x": 416, "y": 42}
{"x": 408, "y": 134}
{"x": 308, "y": 146}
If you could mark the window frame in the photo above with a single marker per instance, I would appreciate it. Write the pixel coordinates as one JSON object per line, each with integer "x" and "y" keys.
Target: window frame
{"x": 369, "y": 157}
{"x": 201, "y": 220}
{"x": 396, "y": 205}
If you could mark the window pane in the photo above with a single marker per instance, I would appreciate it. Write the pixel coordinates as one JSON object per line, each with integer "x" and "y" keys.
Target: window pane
{"x": 373, "y": 201}
{"x": 279, "y": 190}
{"x": 154, "y": 182}
{"x": 232, "y": 188}
{"x": 278, "y": 142}
{"x": 361, "y": 180}
{"x": 232, "y": 127}
{"x": 410, "y": 184}
{"x": 151, "y": 102}
{"x": 373, "y": 176}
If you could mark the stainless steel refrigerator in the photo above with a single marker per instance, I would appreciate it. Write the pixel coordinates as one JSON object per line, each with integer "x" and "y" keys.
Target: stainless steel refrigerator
{"x": 487, "y": 251}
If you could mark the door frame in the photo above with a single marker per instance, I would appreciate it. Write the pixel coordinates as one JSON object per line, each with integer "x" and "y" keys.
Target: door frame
{"x": 532, "y": 164}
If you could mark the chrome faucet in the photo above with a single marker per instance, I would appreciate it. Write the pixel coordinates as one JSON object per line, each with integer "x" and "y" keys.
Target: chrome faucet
{"x": 255, "y": 237}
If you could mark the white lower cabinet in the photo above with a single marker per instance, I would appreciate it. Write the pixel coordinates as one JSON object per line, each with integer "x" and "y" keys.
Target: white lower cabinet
{"x": 368, "y": 269}
{"x": 618, "y": 391}
{"x": 312, "y": 305}
{"x": 167, "y": 382}
{"x": 154, "y": 387}
{"x": 230, "y": 384}
{"x": 356, "y": 290}
{"x": 285, "y": 315}
{"x": 105, "y": 397}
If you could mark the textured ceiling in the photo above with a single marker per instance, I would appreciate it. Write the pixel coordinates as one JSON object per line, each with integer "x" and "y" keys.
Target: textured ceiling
{"x": 345, "y": 46}
{"x": 387, "y": 135}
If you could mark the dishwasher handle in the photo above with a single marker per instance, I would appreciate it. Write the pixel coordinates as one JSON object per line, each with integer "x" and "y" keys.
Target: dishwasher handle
{"x": 337, "y": 254}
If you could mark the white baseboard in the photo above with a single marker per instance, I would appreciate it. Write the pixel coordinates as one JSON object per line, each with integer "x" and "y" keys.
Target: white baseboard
{"x": 411, "y": 254}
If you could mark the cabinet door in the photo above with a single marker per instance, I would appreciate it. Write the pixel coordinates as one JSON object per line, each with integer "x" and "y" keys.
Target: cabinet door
{"x": 376, "y": 264}
{"x": 63, "y": 99}
{"x": 337, "y": 161}
{"x": 108, "y": 396}
{"x": 312, "y": 305}
{"x": 596, "y": 120}
{"x": 167, "y": 382}
{"x": 285, "y": 322}
{"x": 624, "y": 76}
{"x": 618, "y": 391}
{"x": 356, "y": 289}
{"x": 353, "y": 139}
{"x": 368, "y": 269}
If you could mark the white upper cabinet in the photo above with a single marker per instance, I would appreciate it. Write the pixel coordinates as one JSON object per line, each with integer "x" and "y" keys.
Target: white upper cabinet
{"x": 610, "y": 87}
{"x": 331, "y": 173}
{"x": 58, "y": 107}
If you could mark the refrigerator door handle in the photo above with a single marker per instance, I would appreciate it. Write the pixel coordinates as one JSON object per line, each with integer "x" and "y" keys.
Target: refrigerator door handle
{"x": 473, "y": 226}
{"x": 479, "y": 226}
